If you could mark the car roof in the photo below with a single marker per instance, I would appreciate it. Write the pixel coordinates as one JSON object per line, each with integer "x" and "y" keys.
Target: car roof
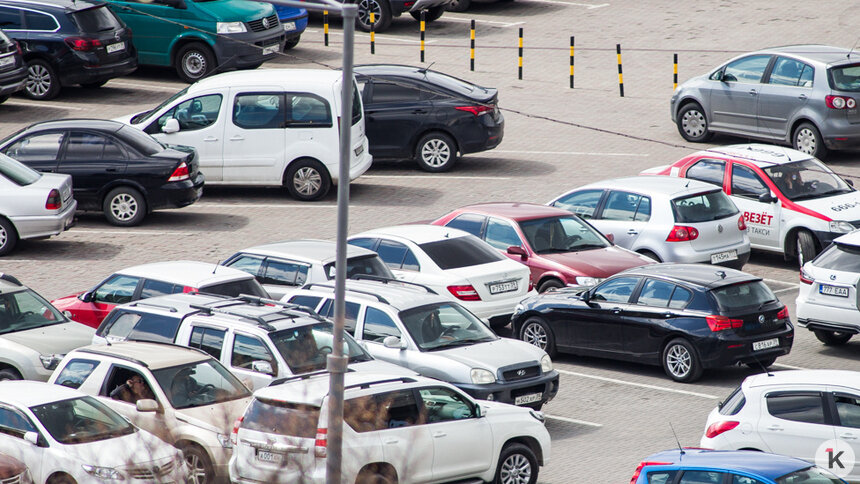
{"x": 704, "y": 275}
{"x": 312, "y": 388}
{"x": 759, "y": 154}
{"x": 391, "y": 69}
{"x": 9, "y": 283}
{"x": 306, "y": 250}
{"x": 78, "y": 123}
{"x": 189, "y": 273}
{"x": 152, "y": 355}
{"x": 179, "y": 303}
{"x": 311, "y": 80}
{"x": 826, "y": 54}
{"x": 799, "y": 377}
{"x": 26, "y": 393}
{"x": 668, "y": 186}
{"x": 68, "y": 5}
{"x": 851, "y": 238}
{"x": 769, "y": 466}
{"x": 396, "y": 294}
{"x": 515, "y": 210}
{"x": 417, "y": 233}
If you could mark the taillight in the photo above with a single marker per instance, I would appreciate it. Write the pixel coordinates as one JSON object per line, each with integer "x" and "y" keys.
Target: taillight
{"x": 531, "y": 285}
{"x": 783, "y": 313}
{"x": 476, "y": 110}
{"x": 321, "y": 442}
{"x": 464, "y": 293}
{"x": 806, "y": 278}
{"x": 717, "y": 428}
{"x": 722, "y": 323}
{"x": 54, "y": 201}
{"x": 642, "y": 465}
{"x": 234, "y": 436}
{"x": 180, "y": 173}
{"x": 840, "y": 102}
{"x": 187, "y": 289}
{"x": 742, "y": 225}
{"x": 681, "y": 233}
{"x": 82, "y": 43}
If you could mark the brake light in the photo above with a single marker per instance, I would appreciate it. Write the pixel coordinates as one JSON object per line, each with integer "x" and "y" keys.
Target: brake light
{"x": 234, "y": 436}
{"x": 187, "y": 289}
{"x": 54, "y": 202}
{"x": 478, "y": 110}
{"x": 531, "y": 285}
{"x": 681, "y": 233}
{"x": 722, "y": 323}
{"x": 840, "y": 102}
{"x": 180, "y": 173}
{"x": 642, "y": 465}
{"x": 806, "y": 278}
{"x": 783, "y": 313}
{"x": 742, "y": 225}
{"x": 464, "y": 293}
{"x": 320, "y": 443}
{"x": 82, "y": 44}
{"x": 717, "y": 428}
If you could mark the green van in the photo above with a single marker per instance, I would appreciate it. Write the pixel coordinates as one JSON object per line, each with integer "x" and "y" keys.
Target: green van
{"x": 201, "y": 37}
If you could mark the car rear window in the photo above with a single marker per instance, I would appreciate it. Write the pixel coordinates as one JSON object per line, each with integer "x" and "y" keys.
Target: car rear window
{"x": 743, "y": 296}
{"x": 284, "y": 418}
{"x": 839, "y": 257}
{"x": 845, "y": 78}
{"x": 17, "y": 172}
{"x": 369, "y": 265}
{"x": 99, "y": 19}
{"x": 703, "y": 207}
{"x": 140, "y": 141}
{"x": 459, "y": 86}
{"x": 733, "y": 403}
{"x": 460, "y": 252}
{"x": 237, "y": 288}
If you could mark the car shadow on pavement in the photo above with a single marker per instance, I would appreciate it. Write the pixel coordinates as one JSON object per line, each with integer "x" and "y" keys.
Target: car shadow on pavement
{"x": 471, "y": 165}
{"x": 64, "y": 249}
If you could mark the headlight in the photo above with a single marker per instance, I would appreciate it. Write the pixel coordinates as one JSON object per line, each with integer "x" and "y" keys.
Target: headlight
{"x": 841, "y": 227}
{"x": 518, "y": 308}
{"x": 106, "y": 473}
{"x": 546, "y": 364}
{"x": 50, "y": 361}
{"x": 231, "y": 27}
{"x": 225, "y": 441}
{"x": 587, "y": 281}
{"x": 481, "y": 376}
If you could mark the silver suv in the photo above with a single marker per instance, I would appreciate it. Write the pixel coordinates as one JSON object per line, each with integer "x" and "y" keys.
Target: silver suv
{"x": 801, "y": 95}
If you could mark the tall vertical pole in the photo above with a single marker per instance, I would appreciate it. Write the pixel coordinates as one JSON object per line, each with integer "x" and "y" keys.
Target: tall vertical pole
{"x": 571, "y": 61}
{"x": 423, "y": 12}
{"x": 620, "y": 76}
{"x": 520, "y": 57}
{"x": 472, "y": 47}
{"x": 675, "y": 78}
{"x": 372, "y": 33}
{"x": 325, "y": 27}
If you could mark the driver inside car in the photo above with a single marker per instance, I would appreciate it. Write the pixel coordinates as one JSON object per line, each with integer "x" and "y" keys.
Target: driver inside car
{"x": 185, "y": 388}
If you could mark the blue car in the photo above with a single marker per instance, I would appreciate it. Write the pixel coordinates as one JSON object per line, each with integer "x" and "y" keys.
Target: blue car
{"x": 700, "y": 466}
{"x": 294, "y": 21}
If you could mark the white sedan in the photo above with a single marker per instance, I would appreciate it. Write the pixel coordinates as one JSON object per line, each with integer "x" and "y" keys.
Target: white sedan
{"x": 455, "y": 264}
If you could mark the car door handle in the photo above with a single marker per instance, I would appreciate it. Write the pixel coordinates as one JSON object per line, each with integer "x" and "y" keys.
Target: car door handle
{"x": 210, "y": 138}
{"x": 775, "y": 428}
{"x": 419, "y": 111}
{"x": 753, "y": 92}
{"x": 802, "y": 96}
{"x": 616, "y": 310}
{"x": 632, "y": 232}
{"x": 110, "y": 170}
{"x": 848, "y": 436}
{"x": 390, "y": 441}
{"x": 439, "y": 435}
{"x": 237, "y": 138}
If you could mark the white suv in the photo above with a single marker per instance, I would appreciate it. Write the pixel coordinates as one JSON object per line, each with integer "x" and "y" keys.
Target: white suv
{"x": 396, "y": 429}
{"x": 828, "y": 301}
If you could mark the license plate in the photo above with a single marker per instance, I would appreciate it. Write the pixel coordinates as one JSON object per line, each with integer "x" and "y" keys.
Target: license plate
{"x": 724, "y": 256}
{"x": 270, "y": 49}
{"x": 115, "y": 47}
{"x": 266, "y": 456}
{"x": 829, "y": 290}
{"x": 7, "y": 61}
{"x": 526, "y": 399}
{"x": 763, "y": 345}
{"x": 359, "y": 150}
{"x": 500, "y": 287}
{"x": 289, "y": 26}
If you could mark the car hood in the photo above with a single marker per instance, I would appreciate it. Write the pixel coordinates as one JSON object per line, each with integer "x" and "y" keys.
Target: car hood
{"x": 599, "y": 263}
{"x": 67, "y": 302}
{"x": 233, "y": 11}
{"x": 54, "y": 339}
{"x": 379, "y": 366}
{"x": 838, "y": 207}
{"x": 136, "y": 448}
{"x": 493, "y": 355}
{"x": 218, "y": 416}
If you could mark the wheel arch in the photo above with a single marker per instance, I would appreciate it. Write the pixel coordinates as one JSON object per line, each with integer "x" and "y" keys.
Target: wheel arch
{"x": 797, "y": 122}
{"x": 125, "y": 183}
{"x": 683, "y": 102}
{"x": 377, "y": 467}
{"x": 789, "y": 247}
{"x": 12, "y": 223}
{"x": 529, "y": 442}
{"x": 517, "y": 325}
{"x": 641, "y": 250}
{"x": 303, "y": 158}
{"x": 57, "y": 475}
{"x": 546, "y": 276}
{"x": 189, "y": 38}
{"x": 435, "y": 129}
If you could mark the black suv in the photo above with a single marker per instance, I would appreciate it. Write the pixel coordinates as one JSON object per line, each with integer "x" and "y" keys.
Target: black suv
{"x": 68, "y": 42}
{"x": 13, "y": 73}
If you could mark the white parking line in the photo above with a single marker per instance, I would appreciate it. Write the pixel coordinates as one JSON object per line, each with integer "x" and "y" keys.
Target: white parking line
{"x": 383, "y": 37}
{"x": 780, "y": 291}
{"x": 468, "y": 20}
{"x": 263, "y": 205}
{"x": 574, "y": 421}
{"x": 574, "y": 153}
{"x": 790, "y": 367}
{"x": 572, "y": 4}
{"x": 53, "y": 104}
{"x": 132, "y": 232}
{"x": 138, "y": 85}
{"x": 793, "y": 284}
{"x": 640, "y": 385}
{"x": 441, "y": 177}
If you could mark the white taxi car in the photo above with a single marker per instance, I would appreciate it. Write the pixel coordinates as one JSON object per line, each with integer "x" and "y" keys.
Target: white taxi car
{"x": 792, "y": 202}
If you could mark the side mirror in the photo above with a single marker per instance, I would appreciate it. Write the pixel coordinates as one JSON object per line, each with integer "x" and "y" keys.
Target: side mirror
{"x": 393, "y": 342}
{"x": 32, "y": 437}
{"x": 146, "y": 405}
{"x": 611, "y": 237}
{"x": 261, "y": 366}
{"x": 766, "y": 198}
{"x": 517, "y": 250}
{"x": 170, "y": 126}
{"x": 480, "y": 411}
{"x": 67, "y": 314}
{"x": 86, "y": 297}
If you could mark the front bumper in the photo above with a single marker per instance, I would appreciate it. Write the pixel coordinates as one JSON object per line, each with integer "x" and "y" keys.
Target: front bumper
{"x": 507, "y": 392}
{"x": 177, "y": 194}
{"x": 237, "y": 51}
{"x": 33, "y": 227}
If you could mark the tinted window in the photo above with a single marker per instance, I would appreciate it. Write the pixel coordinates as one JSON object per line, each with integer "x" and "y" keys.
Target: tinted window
{"x": 283, "y": 272}
{"x": 210, "y": 340}
{"x": 236, "y": 288}
{"x": 744, "y": 295}
{"x": 748, "y": 70}
{"x": 75, "y": 372}
{"x": 848, "y": 409}
{"x": 283, "y": 418}
{"x": 736, "y": 479}
{"x": 617, "y": 290}
{"x": 845, "y": 78}
{"x": 369, "y": 265}
{"x": 350, "y": 314}
{"x": 84, "y": 147}
{"x": 153, "y": 288}
{"x": 363, "y": 242}
{"x": 797, "y": 407}
{"x": 155, "y": 327}
{"x": 501, "y": 234}
{"x": 444, "y": 405}
{"x": 746, "y": 183}
{"x": 378, "y": 325}
{"x": 656, "y": 293}
{"x": 308, "y": 110}
{"x": 643, "y": 213}
{"x": 582, "y": 203}
{"x": 410, "y": 262}
{"x": 306, "y": 301}
{"x": 118, "y": 324}
{"x": 661, "y": 477}
{"x": 621, "y": 206}
{"x": 40, "y": 147}
{"x": 99, "y": 19}
{"x": 10, "y": 18}
{"x": 259, "y": 111}
{"x": 248, "y": 263}
{"x": 704, "y": 207}
{"x": 392, "y": 253}
{"x": 787, "y": 72}
{"x": 468, "y": 222}
{"x": 680, "y": 298}
{"x": 117, "y": 290}
{"x": 733, "y": 403}
{"x": 247, "y": 350}
{"x": 195, "y": 113}
{"x": 365, "y": 414}
{"x": 400, "y": 409}
{"x": 14, "y": 423}
{"x": 701, "y": 477}
{"x": 840, "y": 257}
{"x": 305, "y": 348}
{"x": 19, "y": 173}
{"x": 460, "y": 252}
{"x": 709, "y": 171}
{"x": 384, "y": 92}
{"x": 140, "y": 141}
{"x": 39, "y": 21}
{"x": 810, "y": 475}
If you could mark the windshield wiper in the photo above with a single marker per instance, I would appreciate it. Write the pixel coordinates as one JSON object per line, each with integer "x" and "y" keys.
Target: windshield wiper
{"x": 463, "y": 342}
{"x": 587, "y": 247}
{"x": 765, "y": 303}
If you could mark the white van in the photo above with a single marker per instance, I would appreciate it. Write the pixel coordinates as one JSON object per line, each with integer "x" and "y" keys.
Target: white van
{"x": 264, "y": 127}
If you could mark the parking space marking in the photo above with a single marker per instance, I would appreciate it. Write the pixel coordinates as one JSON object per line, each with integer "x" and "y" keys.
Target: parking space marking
{"x": 640, "y": 385}
{"x": 478, "y": 22}
{"x": 572, "y": 153}
{"x": 574, "y": 421}
{"x": 589, "y": 6}
{"x": 780, "y": 291}
{"x": 58, "y": 105}
{"x": 790, "y": 367}
{"x": 139, "y": 85}
{"x": 263, "y": 205}
{"x": 446, "y": 177}
{"x": 132, "y": 232}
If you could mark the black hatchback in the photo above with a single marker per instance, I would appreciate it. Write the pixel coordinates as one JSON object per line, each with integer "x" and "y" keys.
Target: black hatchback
{"x": 416, "y": 113}
{"x": 685, "y": 317}
{"x": 66, "y": 42}
{"x": 115, "y": 168}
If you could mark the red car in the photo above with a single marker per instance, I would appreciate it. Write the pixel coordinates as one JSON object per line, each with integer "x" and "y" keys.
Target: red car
{"x": 559, "y": 247}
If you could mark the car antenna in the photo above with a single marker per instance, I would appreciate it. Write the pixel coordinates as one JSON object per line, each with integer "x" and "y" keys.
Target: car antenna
{"x": 216, "y": 267}
{"x": 423, "y": 70}
{"x": 853, "y": 47}
{"x": 763, "y": 368}
{"x": 681, "y": 449}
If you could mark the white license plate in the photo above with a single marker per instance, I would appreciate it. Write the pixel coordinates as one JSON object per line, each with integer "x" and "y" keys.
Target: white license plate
{"x": 526, "y": 399}
{"x": 271, "y": 49}
{"x": 763, "y": 345}
{"x": 359, "y": 150}
{"x": 266, "y": 456}
{"x": 7, "y": 60}
{"x": 115, "y": 47}
{"x": 829, "y": 290}
{"x": 724, "y": 256}
{"x": 500, "y": 287}
{"x": 289, "y": 26}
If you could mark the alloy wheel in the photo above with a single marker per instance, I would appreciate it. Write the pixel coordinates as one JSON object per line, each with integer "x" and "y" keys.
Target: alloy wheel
{"x": 123, "y": 206}
{"x": 364, "y": 9}
{"x": 198, "y": 470}
{"x": 535, "y": 334}
{"x": 435, "y": 153}
{"x": 38, "y": 80}
{"x": 516, "y": 469}
{"x": 679, "y": 361}
{"x": 4, "y": 237}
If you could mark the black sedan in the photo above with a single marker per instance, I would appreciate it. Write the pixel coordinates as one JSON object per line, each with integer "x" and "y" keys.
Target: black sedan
{"x": 416, "y": 113}
{"x": 115, "y": 168}
{"x": 687, "y": 317}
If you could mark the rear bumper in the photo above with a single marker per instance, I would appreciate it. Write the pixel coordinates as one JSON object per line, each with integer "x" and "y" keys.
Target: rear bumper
{"x": 82, "y": 74}
{"x": 495, "y": 310}
{"x": 840, "y": 133}
{"x": 45, "y": 225}
{"x": 684, "y": 252}
{"x": 507, "y": 392}
{"x": 13, "y": 81}
{"x": 486, "y": 136}
{"x": 177, "y": 194}
{"x": 358, "y": 167}
{"x": 838, "y": 327}
{"x": 730, "y": 349}
{"x": 238, "y": 51}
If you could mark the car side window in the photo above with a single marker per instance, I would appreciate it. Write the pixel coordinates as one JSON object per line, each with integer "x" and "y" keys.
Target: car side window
{"x": 643, "y": 212}
{"x": 746, "y": 183}
{"x": 191, "y": 114}
{"x": 259, "y": 111}
{"x": 617, "y": 290}
{"x": 284, "y": 272}
{"x": 396, "y": 255}
{"x": 210, "y": 340}
{"x": 76, "y": 372}
{"x": 798, "y": 407}
{"x": 118, "y": 289}
{"x": 248, "y": 263}
{"x": 378, "y": 326}
{"x": 40, "y": 21}
{"x": 789, "y": 72}
{"x": 155, "y": 327}
{"x": 153, "y": 288}
{"x": 445, "y": 405}
{"x": 661, "y": 477}
{"x": 91, "y": 147}
{"x": 620, "y": 206}
{"x": 350, "y": 317}
{"x": 708, "y": 171}
{"x": 702, "y": 477}
{"x": 366, "y": 243}
{"x": 41, "y": 147}
{"x": 364, "y": 414}
{"x": 582, "y": 203}
{"x": 399, "y": 408}
{"x": 10, "y": 18}
{"x": 656, "y": 293}
{"x": 386, "y": 92}
{"x": 680, "y": 298}
{"x": 14, "y": 423}
{"x": 736, "y": 479}
{"x": 501, "y": 234}
{"x": 121, "y": 325}
{"x": 307, "y": 110}
{"x": 247, "y": 350}
{"x": 306, "y": 301}
{"x": 848, "y": 409}
{"x": 748, "y": 70}
{"x": 469, "y": 222}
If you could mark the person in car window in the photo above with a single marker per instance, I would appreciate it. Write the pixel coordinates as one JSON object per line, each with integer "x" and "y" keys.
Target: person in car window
{"x": 132, "y": 390}
{"x": 185, "y": 388}
{"x": 790, "y": 182}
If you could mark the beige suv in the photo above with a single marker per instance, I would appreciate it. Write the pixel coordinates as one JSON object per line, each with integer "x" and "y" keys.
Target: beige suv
{"x": 182, "y": 395}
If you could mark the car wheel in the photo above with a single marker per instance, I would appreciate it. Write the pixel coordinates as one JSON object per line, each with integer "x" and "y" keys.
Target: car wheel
{"x": 199, "y": 465}
{"x": 459, "y": 5}
{"x": 8, "y": 236}
{"x": 124, "y": 206}
{"x": 430, "y": 14}
{"x": 550, "y": 284}
{"x": 681, "y": 362}
{"x": 252, "y": 66}
{"x": 832, "y": 338}
{"x": 381, "y": 15}
{"x": 807, "y": 139}
{"x": 517, "y": 465}
{"x": 374, "y": 474}
{"x": 805, "y": 247}
{"x": 194, "y": 61}
{"x": 650, "y": 255}
{"x": 537, "y": 332}
{"x": 762, "y": 364}
{"x": 94, "y": 85}
{"x": 42, "y": 81}
{"x": 290, "y": 43}
{"x": 4, "y": 98}
{"x": 307, "y": 180}
{"x": 10, "y": 374}
{"x": 693, "y": 124}
{"x": 436, "y": 152}
{"x": 62, "y": 479}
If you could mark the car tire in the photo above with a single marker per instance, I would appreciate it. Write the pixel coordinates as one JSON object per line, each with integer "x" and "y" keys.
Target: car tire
{"x": 307, "y": 180}
{"x": 10, "y": 374}
{"x": 430, "y": 14}
{"x": 94, "y": 85}
{"x": 4, "y": 98}
{"x": 517, "y": 465}
{"x": 550, "y": 284}
{"x": 252, "y": 66}
{"x": 805, "y": 247}
{"x": 832, "y": 338}
{"x": 807, "y": 139}
{"x": 762, "y": 364}
{"x": 681, "y": 362}
{"x": 459, "y": 5}
{"x": 124, "y": 206}
{"x": 382, "y": 15}
{"x": 62, "y": 479}
{"x": 650, "y": 255}
{"x": 536, "y": 331}
{"x": 199, "y": 464}
{"x": 8, "y": 236}
{"x": 291, "y": 43}
{"x": 436, "y": 152}
{"x": 194, "y": 61}
{"x": 376, "y": 474}
{"x": 693, "y": 124}
{"x": 42, "y": 81}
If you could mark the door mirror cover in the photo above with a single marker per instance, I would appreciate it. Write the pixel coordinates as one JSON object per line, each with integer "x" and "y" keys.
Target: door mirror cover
{"x": 32, "y": 437}
{"x": 170, "y": 126}
{"x": 611, "y": 237}
{"x": 517, "y": 250}
{"x": 87, "y": 296}
{"x": 766, "y": 198}
{"x": 393, "y": 342}
{"x": 146, "y": 405}
{"x": 261, "y": 366}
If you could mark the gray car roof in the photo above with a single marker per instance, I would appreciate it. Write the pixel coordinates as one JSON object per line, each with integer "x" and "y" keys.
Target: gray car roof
{"x": 825, "y": 54}
{"x": 395, "y": 294}
{"x": 306, "y": 250}
{"x": 669, "y": 186}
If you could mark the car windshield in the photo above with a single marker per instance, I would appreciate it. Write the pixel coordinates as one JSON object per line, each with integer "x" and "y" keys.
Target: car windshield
{"x": 198, "y": 384}
{"x": 845, "y": 78}
{"x": 23, "y": 310}
{"x": 561, "y": 234}
{"x": 236, "y": 288}
{"x": 459, "y": 252}
{"x": 143, "y": 117}
{"x": 305, "y": 348}
{"x": 81, "y": 420}
{"x": 444, "y": 325}
{"x": 839, "y": 257}
{"x": 369, "y": 265}
{"x": 17, "y": 172}
{"x": 810, "y": 475}
{"x": 703, "y": 207}
{"x": 807, "y": 179}
{"x": 745, "y": 295}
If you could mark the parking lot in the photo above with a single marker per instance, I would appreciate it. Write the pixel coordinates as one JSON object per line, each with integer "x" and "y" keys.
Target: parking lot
{"x": 608, "y": 415}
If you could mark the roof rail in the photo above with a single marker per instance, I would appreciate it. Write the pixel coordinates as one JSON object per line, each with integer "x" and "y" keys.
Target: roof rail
{"x": 143, "y": 302}
{"x": 257, "y": 319}
{"x": 303, "y": 376}
{"x": 263, "y": 301}
{"x": 402, "y": 379}
{"x": 357, "y": 291}
{"x": 96, "y": 351}
{"x": 12, "y": 279}
{"x": 386, "y": 280}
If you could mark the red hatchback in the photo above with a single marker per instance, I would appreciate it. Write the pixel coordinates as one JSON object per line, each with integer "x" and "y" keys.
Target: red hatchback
{"x": 560, "y": 248}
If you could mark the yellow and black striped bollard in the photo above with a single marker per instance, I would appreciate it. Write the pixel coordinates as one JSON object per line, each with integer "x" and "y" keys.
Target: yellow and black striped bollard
{"x": 571, "y": 61}
{"x": 620, "y": 76}
{"x": 325, "y": 27}
{"x": 675, "y": 77}
{"x": 423, "y": 12}
{"x": 520, "y": 59}
{"x": 472, "y": 47}
{"x": 372, "y": 33}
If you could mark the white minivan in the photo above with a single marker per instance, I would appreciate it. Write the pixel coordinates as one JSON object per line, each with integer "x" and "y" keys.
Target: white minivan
{"x": 264, "y": 127}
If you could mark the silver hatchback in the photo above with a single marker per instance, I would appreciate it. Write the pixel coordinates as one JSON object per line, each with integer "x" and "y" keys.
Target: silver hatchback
{"x": 802, "y": 95}
{"x": 668, "y": 219}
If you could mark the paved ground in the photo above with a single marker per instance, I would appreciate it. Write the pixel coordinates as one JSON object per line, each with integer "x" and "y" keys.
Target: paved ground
{"x": 608, "y": 415}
